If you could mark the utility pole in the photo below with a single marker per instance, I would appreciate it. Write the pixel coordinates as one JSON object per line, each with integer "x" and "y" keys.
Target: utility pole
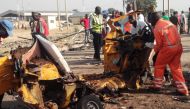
{"x": 124, "y": 10}
{"x": 168, "y": 7}
{"x": 23, "y": 10}
{"x": 135, "y": 5}
{"x": 18, "y": 13}
{"x": 58, "y": 13}
{"x": 163, "y": 6}
{"x": 66, "y": 13}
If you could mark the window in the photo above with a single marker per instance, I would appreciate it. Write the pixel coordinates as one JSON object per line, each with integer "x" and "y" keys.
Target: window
{"x": 51, "y": 21}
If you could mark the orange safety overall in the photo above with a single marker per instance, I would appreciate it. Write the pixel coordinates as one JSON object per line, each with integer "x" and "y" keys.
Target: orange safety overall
{"x": 169, "y": 49}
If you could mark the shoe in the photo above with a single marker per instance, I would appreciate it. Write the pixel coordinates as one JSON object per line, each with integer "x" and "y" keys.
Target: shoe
{"x": 97, "y": 58}
{"x": 185, "y": 99}
{"x": 177, "y": 93}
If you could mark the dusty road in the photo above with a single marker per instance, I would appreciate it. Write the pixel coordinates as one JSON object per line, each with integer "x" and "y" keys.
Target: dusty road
{"x": 81, "y": 62}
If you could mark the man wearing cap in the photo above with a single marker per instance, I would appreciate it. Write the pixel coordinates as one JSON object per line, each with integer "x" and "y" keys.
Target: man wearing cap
{"x": 6, "y": 28}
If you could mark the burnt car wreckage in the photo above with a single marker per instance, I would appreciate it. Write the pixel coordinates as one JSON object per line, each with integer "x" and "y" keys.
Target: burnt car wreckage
{"x": 125, "y": 60}
{"x": 43, "y": 79}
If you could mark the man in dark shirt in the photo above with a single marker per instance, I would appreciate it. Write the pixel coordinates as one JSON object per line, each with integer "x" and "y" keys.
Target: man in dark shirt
{"x": 174, "y": 19}
{"x": 151, "y": 9}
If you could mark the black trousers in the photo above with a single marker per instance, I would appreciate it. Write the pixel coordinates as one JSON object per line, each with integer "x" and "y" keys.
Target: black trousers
{"x": 97, "y": 42}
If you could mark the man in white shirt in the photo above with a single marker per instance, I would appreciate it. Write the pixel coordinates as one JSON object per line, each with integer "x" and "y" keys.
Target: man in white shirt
{"x": 140, "y": 17}
{"x": 137, "y": 25}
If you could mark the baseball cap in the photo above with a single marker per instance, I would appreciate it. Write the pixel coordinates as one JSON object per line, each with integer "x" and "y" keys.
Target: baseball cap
{"x": 8, "y": 26}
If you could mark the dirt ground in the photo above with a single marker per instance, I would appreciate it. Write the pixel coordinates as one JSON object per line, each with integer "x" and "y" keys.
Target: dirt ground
{"x": 81, "y": 62}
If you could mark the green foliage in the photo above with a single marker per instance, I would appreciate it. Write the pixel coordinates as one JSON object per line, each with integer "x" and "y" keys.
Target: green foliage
{"x": 145, "y": 4}
{"x": 110, "y": 10}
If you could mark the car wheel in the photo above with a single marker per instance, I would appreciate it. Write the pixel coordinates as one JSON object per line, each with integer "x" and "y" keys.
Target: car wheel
{"x": 89, "y": 102}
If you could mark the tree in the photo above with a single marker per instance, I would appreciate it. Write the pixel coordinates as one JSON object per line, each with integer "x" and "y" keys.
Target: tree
{"x": 75, "y": 10}
{"x": 145, "y": 4}
{"x": 111, "y": 10}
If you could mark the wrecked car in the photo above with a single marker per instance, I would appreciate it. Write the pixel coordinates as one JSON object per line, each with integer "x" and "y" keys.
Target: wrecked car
{"x": 43, "y": 80}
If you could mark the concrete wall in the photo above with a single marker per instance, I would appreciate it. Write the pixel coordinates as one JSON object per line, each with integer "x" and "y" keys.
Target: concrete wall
{"x": 75, "y": 20}
{"x": 51, "y": 21}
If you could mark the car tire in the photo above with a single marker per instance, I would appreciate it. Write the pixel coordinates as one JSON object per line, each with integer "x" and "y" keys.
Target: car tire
{"x": 89, "y": 102}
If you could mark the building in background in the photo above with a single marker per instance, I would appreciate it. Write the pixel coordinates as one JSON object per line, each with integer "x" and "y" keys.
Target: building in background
{"x": 21, "y": 19}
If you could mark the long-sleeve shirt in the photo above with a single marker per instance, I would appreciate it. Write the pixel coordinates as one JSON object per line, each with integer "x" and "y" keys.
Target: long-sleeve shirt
{"x": 166, "y": 35}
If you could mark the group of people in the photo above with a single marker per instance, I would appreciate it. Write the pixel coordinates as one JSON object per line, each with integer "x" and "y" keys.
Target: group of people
{"x": 179, "y": 20}
{"x": 96, "y": 23}
{"x": 167, "y": 44}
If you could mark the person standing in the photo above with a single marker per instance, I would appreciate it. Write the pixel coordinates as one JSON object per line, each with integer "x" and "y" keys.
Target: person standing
{"x": 41, "y": 26}
{"x": 106, "y": 27}
{"x": 182, "y": 22}
{"x": 169, "y": 49}
{"x": 127, "y": 25}
{"x": 164, "y": 16}
{"x": 96, "y": 21}
{"x": 137, "y": 25}
{"x": 151, "y": 9}
{"x": 140, "y": 17}
{"x": 189, "y": 22}
{"x": 86, "y": 25}
{"x": 6, "y": 29}
{"x": 174, "y": 19}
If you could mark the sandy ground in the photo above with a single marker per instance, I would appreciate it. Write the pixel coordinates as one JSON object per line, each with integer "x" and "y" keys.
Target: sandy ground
{"x": 81, "y": 62}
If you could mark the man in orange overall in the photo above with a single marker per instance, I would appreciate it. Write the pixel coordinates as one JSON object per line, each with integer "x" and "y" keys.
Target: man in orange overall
{"x": 169, "y": 49}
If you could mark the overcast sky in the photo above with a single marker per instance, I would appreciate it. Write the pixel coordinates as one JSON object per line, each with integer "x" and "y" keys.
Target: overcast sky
{"x": 87, "y": 5}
